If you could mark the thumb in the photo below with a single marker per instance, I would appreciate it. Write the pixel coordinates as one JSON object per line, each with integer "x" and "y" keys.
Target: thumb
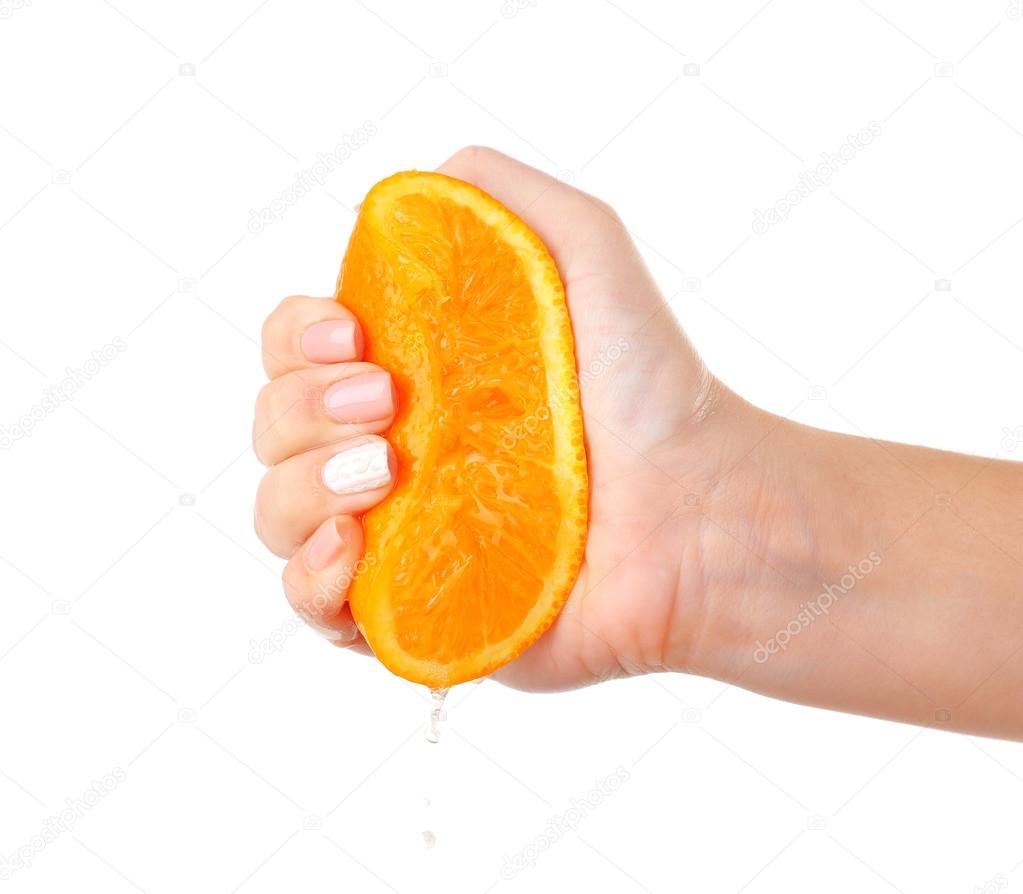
{"x": 584, "y": 234}
{"x": 612, "y": 299}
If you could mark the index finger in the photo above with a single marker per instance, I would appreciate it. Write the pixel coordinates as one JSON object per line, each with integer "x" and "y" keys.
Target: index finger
{"x": 304, "y": 332}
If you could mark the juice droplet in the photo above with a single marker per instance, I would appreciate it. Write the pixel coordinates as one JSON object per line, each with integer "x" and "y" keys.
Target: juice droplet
{"x": 429, "y": 839}
{"x": 437, "y": 697}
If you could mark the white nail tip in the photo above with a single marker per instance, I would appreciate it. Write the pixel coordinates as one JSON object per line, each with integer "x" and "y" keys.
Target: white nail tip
{"x": 358, "y": 469}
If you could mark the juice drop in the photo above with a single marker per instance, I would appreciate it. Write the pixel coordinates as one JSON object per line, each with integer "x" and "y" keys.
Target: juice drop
{"x": 437, "y": 714}
{"x": 432, "y": 735}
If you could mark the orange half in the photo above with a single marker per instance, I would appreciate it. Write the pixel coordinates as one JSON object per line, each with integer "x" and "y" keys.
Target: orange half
{"x": 474, "y": 552}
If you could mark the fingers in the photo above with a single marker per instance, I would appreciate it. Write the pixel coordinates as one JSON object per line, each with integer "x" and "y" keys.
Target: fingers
{"x": 304, "y": 331}
{"x": 297, "y": 495}
{"x": 316, "y": 423}
{"x": 304, "y": 409}
{"x": 317, "y": 578}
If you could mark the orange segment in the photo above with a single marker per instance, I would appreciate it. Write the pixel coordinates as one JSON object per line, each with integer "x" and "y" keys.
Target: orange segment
{"x": 474, "y": 552}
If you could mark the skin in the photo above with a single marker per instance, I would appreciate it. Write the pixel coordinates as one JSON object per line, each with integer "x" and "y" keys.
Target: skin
{"x": 724, "y": 541}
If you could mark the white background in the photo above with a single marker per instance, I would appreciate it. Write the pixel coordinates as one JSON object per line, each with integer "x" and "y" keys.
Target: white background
{"x": 129, "y": 616}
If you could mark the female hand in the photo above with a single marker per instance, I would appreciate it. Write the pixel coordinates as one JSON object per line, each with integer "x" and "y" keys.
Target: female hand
{"x": 651, "y": 411}
{"x": 723, "y": 540}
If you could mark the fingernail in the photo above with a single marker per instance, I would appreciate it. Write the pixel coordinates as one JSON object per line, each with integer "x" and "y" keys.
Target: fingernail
{"x": 361, "y": 398}
{"x": 324, "y": 546}
{"x": 331, "y": 341}
{"x": 346, "y": 634}
{"x": 357, "y": 469}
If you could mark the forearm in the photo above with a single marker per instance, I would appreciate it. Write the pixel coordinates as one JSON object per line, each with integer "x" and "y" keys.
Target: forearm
{"x": 869, "y": 577}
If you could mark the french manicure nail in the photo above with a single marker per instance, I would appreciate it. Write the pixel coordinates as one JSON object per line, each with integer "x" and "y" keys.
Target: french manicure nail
{"x": 324, "y": 546}
{"x": 358, "y": 469}
{"x": 343, "y": 636}
{"x": 346, "y": 634}
{"x": 331, "y": 341}
{"x": 361, "y": 398}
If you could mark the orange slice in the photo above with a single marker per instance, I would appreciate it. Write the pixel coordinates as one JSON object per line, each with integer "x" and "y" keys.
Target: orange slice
{"x": 474, "y": 552}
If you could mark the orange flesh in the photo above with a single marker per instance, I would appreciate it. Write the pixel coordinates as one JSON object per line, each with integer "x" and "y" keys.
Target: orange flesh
{"x": 472, "y": 555}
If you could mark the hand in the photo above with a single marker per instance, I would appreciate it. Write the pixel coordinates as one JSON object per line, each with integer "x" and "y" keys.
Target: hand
{"x": 648, "y": 402}
{"x": 723, "y": 540}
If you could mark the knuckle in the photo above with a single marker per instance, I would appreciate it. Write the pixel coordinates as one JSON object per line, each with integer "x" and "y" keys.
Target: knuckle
{"x": 292, "y": 397}
{"x": 259, "y": 516}
{"x": 474, "y": 154}
{"x": 273, "y": 402}
{"x": 266, "y": 333}
{"x": 280, "y": 317}
{"x": 270, "y": 520}
{"x": 261, "y": 424}
{"x": 277, "y": 316}
{"x": 285, "y": 408}
{"x": 606, "y": 211}
{"x": 263, "y": 398}
{"x": 293, "y": 582}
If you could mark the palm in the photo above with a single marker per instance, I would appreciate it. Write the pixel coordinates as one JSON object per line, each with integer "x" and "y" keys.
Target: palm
{"x": 640, "y": 383}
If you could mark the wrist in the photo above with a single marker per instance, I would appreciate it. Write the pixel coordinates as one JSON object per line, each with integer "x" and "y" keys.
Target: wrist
{"x": 857, "y": 575}
{"x": 766, "y": 532}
